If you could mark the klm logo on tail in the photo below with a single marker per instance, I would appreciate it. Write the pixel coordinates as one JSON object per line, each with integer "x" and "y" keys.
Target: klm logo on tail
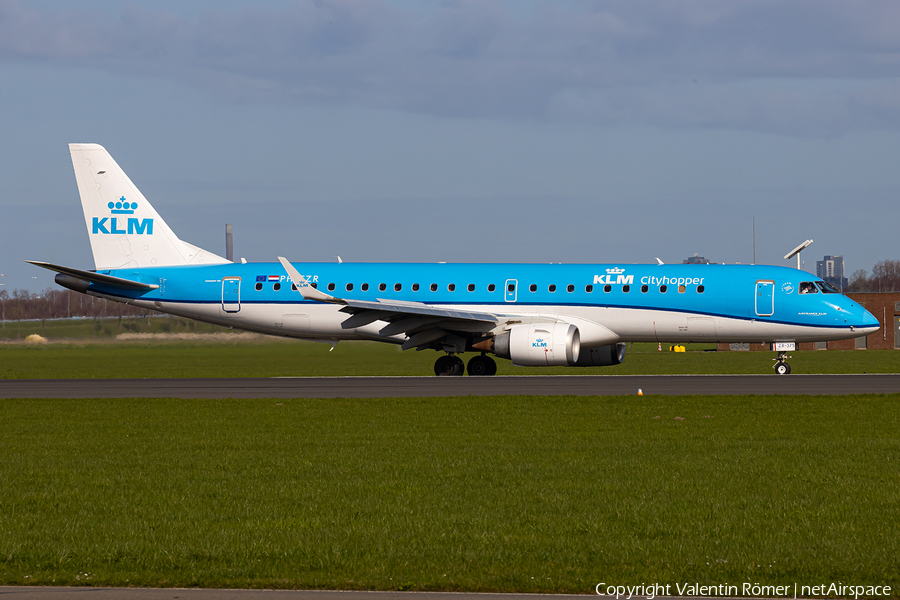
{"x": 114, "y": 225}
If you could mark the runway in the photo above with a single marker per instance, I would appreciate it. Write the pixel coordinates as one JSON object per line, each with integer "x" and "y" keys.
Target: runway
{"x": 384, "y": 387}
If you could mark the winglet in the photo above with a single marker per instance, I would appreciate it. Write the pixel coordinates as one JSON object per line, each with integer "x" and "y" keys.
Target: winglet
{"x": 659, "y": 262}
{"x": 306, "y": 290}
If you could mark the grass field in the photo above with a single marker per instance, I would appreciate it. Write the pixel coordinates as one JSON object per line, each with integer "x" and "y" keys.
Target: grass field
{"x": 548, "y": 494}
{"x": 90, "y": 348}
{"x": 102, "y": 329}
{"x": 274, "y": 357}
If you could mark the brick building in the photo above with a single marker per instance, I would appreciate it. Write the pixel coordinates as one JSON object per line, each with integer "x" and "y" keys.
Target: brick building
{"x": 885, "y": 306}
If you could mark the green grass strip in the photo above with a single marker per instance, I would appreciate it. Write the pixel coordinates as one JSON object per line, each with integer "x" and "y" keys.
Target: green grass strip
{"x": 551, "y": 494}
{"x": 267, "y": 357}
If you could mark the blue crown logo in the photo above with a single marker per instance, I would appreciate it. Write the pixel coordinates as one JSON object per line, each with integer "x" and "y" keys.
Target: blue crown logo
{"x": 121, "y": 207}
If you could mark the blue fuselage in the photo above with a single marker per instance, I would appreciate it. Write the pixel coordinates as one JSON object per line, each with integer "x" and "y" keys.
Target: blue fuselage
{"x": 637, "y": 302}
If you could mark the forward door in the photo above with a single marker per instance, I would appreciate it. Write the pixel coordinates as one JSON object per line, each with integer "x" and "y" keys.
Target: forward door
{"x": 765, "y": 298}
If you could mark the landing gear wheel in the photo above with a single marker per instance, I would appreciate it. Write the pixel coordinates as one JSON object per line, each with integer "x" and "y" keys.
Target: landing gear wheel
{"x": 481, "y": 365}
{"x": 449, "y": 365}
{"x": 782, "y": 368}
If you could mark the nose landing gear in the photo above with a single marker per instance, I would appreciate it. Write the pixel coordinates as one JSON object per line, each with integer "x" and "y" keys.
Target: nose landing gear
{"x": 781, "y": 367}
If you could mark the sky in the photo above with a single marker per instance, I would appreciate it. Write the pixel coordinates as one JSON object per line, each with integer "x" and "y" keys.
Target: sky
{"x": 459, "y": 131}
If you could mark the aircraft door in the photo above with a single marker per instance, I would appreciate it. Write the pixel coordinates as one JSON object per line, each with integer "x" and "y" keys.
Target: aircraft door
{"x": 897, "y": 333}
{"x": 511, "y": 285}
{"x": 231, "y": 294}
{"x": 765, "y": 298}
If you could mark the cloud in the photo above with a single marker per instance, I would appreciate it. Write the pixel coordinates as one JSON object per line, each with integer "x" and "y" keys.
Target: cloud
{"x": 809, "y": 67}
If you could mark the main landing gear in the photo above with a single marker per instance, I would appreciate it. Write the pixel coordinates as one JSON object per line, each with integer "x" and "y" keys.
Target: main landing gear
{"x": 449, "y": 365}
{"x": 781, "y": 367}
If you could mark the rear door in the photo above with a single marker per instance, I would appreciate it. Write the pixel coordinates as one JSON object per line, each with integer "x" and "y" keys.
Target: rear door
{"x": 231, "y": 294}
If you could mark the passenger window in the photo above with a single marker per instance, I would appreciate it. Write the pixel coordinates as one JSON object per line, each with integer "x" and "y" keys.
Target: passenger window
{"x": 433, "y": 287}
{"x": 415, "y": 287}
{"x": 471, "y": 287}
{"x": 681, "y": 289}
{"x": 293, "y": 287}
{"x": 397, "y": 287}
{"x": 589, "y": 288}
{"x": 532, "y": 288}
{"x": 644, "y": 289}
{"x": 276, "y": 287}
{"x": 365, "y": 287}
{"x": 626, "y": 288}
{"x": 700, "y": 289}
{"x": 330, "y": 287}
{"x": 382, "y": 287}
{"x": 552, "y": 287}
{"x": 451, "y": 287}
{"x": 349, "y": 287}
{"x": 258, "y": 286}
{"x": 808, "y": 287}
{"x": 492, "y": 287}
{"x": 570, "y": 288}
{"x": 607, "y": 288}
{"x": 314, "y": 286}
{"x": 663, "y": 289}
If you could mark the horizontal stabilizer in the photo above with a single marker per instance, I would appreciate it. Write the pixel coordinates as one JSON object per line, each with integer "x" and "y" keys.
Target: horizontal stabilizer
{"x": 91, "y": 276}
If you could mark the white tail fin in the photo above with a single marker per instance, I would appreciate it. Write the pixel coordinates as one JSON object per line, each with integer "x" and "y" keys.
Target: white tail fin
{"x": 123, "y": 228}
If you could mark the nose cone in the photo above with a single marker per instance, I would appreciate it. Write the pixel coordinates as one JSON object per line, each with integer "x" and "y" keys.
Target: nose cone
{"x": 867, "y": 322}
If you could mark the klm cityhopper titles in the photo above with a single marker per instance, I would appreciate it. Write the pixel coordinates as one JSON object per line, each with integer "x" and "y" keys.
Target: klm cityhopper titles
{"x": 577, "y": 315}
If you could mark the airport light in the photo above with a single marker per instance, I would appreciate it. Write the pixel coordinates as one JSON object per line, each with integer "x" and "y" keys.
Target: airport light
{"x": 796, "y": 252}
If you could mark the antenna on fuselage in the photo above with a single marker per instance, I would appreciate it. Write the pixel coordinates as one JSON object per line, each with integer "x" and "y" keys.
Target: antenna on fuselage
{"x": 796, "y": 252}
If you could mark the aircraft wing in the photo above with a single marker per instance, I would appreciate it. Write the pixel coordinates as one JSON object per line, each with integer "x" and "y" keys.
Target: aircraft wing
{"x": 421, "y": 323}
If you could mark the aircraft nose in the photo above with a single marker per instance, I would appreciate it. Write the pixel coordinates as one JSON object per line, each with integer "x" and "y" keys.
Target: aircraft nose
{"x": 868, "y": 321}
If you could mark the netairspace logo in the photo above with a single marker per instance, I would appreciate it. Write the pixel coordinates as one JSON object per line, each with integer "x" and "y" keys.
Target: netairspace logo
{"x": 830, "y": 590}
{"x": 114, "y": 225}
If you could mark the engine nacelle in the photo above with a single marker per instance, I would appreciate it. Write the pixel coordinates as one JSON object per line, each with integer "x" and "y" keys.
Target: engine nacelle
{"x": 601, "y": 356}
{"x": 540, "y": 345}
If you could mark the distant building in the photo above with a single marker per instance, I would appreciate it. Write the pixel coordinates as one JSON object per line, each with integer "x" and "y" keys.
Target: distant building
{"x": 831, "y": 269}
{"x": 696, "y": 260}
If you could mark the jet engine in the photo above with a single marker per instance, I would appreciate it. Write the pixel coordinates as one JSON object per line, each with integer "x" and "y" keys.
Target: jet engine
{"x": 539, "y": 345}
{"x": 601, "y": 356}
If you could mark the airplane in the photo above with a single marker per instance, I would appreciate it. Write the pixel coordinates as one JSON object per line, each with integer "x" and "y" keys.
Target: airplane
{"x": 577, "y": 315}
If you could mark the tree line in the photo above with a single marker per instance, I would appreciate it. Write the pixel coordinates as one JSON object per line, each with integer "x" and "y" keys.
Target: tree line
{"x": 61, "y": 304}
{"x": 885, "y": 277}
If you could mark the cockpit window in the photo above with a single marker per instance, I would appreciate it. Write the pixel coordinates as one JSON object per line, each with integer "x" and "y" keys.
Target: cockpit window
{"x": 808, "y": 287}
{"x": 827, "y": 288}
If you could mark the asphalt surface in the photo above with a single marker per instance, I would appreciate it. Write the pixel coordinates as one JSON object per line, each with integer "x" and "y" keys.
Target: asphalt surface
{"x": 379, "y": 387}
